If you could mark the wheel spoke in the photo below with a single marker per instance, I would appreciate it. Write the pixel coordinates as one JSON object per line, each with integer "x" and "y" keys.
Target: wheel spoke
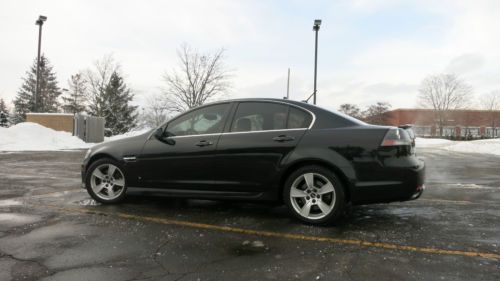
{"x": 324, "y": 207}
{"x": 98, "y": 188}
{"x": 119, "y": 182}
{"x": 309, "y": 178}
{"x": 111, "y": 193}
{"x": 306, "y": 209}
{"x": 294, "y": 192}
{"x": 326, "y": 188}
{"x": 111, "y": 170}
{"x": 98, "y": 174}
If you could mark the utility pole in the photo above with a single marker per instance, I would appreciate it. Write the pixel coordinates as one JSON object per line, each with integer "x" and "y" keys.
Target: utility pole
{"x": 39, "y": 22}
{"x": 288, "y": 85}
{"x": 316, "y": 25}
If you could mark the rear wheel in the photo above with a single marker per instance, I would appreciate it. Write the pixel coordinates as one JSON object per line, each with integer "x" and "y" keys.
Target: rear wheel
{"x": 314, "y": 195}
{"x": 105, "y": 181}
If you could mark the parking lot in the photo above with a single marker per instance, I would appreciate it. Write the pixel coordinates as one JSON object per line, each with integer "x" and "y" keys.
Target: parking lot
{"x": 50, "y": 229}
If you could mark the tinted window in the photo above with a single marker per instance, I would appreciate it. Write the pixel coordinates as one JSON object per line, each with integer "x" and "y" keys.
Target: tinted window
{"x": 206, "y": 120}
{"x": 259, "y": 116}
{"x": 298, "y": 118}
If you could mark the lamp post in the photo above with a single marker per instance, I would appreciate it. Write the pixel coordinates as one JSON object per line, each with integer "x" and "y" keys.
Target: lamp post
{"x": 316, "y": 25}
{"x": 39, "y": 22}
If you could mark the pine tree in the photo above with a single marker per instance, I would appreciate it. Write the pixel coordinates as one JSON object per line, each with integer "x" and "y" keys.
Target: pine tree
{"x": 48, "y": 93}
{"x": 74, "y": 102}
{"x": 4, "y": 114}
{"x": 120, "y": 117}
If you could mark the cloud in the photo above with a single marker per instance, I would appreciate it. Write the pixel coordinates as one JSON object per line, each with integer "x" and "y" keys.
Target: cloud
{"x": 465, "y": 63}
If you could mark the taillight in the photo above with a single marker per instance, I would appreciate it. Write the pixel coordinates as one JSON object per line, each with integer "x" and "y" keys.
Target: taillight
{"x": 396, "y": 137}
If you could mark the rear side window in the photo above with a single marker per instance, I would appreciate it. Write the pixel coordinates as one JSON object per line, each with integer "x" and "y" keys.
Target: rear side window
{"x": 298, "y": 118}
{"x": 259, "y": 116}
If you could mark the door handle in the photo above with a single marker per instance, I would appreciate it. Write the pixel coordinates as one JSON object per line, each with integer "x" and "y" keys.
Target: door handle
{"x": 204, "y": 143}
{"x": 283, "y": 138}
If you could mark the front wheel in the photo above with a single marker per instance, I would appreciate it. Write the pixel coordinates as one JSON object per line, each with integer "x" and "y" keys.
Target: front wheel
{"x": 314, "y": 195}
{"x": 105, "y": 181}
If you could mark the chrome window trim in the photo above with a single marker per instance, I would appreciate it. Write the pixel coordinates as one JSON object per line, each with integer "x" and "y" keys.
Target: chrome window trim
{"x": 222, "y": 133}
{"x": 233, "y": 133}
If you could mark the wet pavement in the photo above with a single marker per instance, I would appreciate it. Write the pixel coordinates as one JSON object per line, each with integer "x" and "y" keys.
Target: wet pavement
{"x": 50, "y": 229}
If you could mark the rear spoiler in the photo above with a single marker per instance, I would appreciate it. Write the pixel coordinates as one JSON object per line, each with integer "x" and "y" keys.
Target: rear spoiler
{"x": 408, "y": 128}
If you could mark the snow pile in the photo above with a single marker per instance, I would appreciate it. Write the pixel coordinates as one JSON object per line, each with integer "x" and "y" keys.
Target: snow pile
{"x": 126, "y": 135}
{"x": 488, "y": 146}
{"x": 29, "y": 136}
{"x": 423, "y": 142}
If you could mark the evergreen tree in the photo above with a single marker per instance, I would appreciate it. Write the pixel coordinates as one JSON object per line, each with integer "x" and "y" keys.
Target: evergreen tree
{"x": 4, "y": 114}
{"x": 48, "y": 93}
{"x": 74, "y": 102}
{"x": 119, "y": 115}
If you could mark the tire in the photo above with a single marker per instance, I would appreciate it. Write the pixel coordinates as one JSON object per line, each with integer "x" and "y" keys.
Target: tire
{"x": 319, "y": 201}
{"x": 105, "y": 181}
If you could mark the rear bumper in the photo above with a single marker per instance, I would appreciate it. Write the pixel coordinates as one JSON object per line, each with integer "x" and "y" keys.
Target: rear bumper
{"x": 398, "y": 184}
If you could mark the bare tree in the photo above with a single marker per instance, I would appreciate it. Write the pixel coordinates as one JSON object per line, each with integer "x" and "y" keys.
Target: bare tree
{"x": 351, "y": 110}
{"x": 74, "y": 99}
{"x": 198, "y": 79}
{"x": 491, "y": 103}
{"x": 154, "y": 113}
{"x": 98, "y": 79}
{"x": 442, "y": 93}
{"x": 375, "y": 114}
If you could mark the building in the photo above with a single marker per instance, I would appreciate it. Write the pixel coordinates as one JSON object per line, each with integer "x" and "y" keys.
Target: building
{"x": 55, "y": 121}
{"x": 463, "y": 123}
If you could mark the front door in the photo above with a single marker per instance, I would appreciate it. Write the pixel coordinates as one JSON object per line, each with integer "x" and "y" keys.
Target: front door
{"x": 185, "y": 159}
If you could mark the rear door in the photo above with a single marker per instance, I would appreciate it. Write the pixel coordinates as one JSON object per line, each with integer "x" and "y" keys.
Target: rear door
{"x": 259, "y": 137}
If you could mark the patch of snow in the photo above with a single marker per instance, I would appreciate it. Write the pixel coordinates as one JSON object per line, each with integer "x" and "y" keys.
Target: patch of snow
{"x": 132, "y": 133}
{"x": 424, "y": 142}
{"x": 487, "y": 146}
{"x": 29, "y": 136}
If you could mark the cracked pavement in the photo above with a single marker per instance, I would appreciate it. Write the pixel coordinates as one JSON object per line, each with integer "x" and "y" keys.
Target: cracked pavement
{"x": 50, "y": 229}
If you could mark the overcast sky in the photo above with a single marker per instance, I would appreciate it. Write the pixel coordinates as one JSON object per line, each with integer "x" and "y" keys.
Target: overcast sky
{"x": 369, "y": 50}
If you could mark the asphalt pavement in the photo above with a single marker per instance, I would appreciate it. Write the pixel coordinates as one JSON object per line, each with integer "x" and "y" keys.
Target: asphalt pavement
{"x": 50, "y": 229}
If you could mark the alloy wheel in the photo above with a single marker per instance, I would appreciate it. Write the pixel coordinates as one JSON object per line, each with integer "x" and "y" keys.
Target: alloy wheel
{"x": 107, "y": 182}
{"x": 312, "y": 196}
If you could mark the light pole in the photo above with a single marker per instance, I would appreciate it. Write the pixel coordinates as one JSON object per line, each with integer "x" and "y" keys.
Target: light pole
{"x": 316, "y": 25}
{"x": 39, "y": 22}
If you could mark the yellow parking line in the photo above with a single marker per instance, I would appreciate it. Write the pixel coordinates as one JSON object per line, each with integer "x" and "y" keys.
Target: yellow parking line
{"x": 284, "y": 235}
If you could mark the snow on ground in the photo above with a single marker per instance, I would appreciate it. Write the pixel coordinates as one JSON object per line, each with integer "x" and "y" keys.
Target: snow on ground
{"x": 488, "y": 146}
{"x": 126, "y": 135}
{"x": 29, "y": 136}
{"x": 423, "y": 142}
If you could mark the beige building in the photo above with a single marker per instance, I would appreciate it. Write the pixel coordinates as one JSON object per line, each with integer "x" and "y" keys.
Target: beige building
{"x": 56, "y": 121}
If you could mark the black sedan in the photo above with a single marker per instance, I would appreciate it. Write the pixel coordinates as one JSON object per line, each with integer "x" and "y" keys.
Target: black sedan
{"x": 313, "y": 160}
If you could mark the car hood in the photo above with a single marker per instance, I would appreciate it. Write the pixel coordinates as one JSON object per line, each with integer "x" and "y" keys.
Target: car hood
{"x": 120, "y": 147}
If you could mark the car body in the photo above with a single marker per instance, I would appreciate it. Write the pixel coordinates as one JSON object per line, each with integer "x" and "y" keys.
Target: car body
{"x": 250, "y": 149}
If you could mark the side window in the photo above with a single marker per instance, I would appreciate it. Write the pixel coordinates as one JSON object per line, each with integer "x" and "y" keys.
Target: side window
{"x": 206, "y": 120}
{"x": 259, "y": 116}
{"x": 298, "y": 118}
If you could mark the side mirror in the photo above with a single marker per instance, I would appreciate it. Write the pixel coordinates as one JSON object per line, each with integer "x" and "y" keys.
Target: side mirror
{"x": 164, "y": 136}
{"x": 159, "y": 134}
